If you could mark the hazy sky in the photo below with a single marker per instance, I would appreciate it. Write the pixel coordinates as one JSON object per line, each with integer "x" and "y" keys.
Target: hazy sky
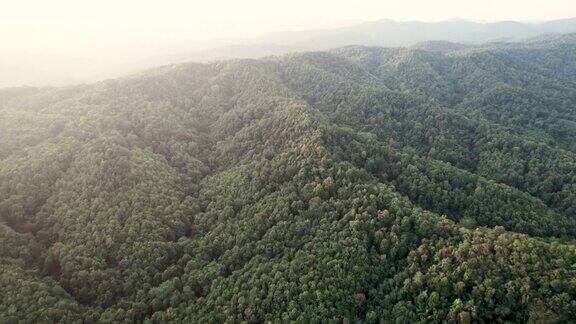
{"x": 86, "y": 26}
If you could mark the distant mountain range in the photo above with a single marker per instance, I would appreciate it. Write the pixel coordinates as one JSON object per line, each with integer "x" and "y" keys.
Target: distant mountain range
{"x": 16, "y": 71}
{"x": 388, "y": 33}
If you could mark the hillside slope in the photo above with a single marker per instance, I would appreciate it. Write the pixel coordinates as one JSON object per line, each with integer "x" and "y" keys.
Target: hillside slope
{"x": 363, "y": 184}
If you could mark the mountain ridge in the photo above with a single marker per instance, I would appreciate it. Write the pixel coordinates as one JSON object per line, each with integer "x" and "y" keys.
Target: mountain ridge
{"x": 360, "y": 183}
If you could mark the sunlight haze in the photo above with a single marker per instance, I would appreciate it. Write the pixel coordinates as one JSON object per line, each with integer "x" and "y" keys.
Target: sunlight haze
{"x": 64, "y": 42}
{"x": 82, "y": 27}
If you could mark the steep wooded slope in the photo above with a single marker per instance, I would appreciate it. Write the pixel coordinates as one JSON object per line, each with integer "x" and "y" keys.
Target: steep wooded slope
{"x": 360, "y": 183}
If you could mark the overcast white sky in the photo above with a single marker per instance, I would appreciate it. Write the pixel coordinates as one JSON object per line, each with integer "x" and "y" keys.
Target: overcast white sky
{"x": 81, "y": 27}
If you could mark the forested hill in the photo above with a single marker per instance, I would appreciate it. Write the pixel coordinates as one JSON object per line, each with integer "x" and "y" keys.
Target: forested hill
{"x": 425, "y": 184}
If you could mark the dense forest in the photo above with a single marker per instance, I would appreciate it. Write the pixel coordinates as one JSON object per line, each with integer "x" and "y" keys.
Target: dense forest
{"x": 428, "y": 184}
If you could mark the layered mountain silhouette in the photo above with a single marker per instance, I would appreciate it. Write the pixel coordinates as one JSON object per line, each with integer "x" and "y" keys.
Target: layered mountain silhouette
{"x": 36, "y": 69}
